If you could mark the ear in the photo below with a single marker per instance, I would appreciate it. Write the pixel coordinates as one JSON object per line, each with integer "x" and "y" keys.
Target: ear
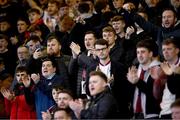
{"x": 124, "y": 25}
{"x": 59, "y": 47}
{"x": 175, "y": 19}
{"x": 105, "y": 84}
{"x": 54, "y": 69}
{"x": 177, "y": 50}
{"x": 151, "y": 53}
{"x": 115, "y": 36}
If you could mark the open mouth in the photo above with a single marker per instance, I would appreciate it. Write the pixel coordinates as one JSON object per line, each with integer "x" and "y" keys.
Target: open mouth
{"x": 45, "y": 71}
{"x": 92, "y": 89}
{"x": 166, "y": 23}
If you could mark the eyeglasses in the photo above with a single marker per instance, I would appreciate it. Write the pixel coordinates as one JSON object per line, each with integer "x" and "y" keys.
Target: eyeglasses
{"x": 101, "y": 49}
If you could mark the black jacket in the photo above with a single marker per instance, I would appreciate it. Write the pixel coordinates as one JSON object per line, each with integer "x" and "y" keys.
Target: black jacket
{"x": 102, "y": 106}
{"x": 159, "y": 32}
{"x": 173, "y": 83}
{"x": 121, "y": 89}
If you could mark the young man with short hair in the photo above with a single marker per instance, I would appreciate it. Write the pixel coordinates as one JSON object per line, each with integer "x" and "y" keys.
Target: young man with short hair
{"x": 148, "y": 80}
{"x": 21, "y": 99}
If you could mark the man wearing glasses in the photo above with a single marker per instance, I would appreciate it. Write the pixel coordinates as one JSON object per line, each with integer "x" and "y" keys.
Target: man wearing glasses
{"x": 116, "y": 74}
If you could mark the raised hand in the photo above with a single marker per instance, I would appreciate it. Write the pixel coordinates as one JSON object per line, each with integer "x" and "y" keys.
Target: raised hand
{"x": 37, "y": 54}
{"x": 132, "y": 75}
{"x": 129, "y": 6}
{"x": 168, "y": 70}
{"x": 76, "y": 49}
{"x": 76, "y": 105}
{"x": 14, "y": 40}
{"x": 26, "y": 81}
{"x": 130, "y": 30}
{"x": 35, "y": 77}
{"x": 7, "y": 93}
{"x": 46, "y": 115}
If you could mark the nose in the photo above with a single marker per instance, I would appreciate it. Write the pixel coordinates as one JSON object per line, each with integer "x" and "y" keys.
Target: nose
{"x": 173, "y": 116}
{"x": 20, "y": 77}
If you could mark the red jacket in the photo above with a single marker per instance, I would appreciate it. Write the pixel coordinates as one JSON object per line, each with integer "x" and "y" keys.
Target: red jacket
{"x": 22, "y": 106}
{"x": 19, "y": 109}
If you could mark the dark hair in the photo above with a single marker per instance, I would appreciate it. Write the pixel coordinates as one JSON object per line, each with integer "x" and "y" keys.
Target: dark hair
{"x": 54, "y": 64}
{"x": 100, "y": 74}
{"x": 100, "y": 5}
{"x": 66, "y": 110}
{"x": 176, "y": 103}
{"x": 170, "y": 40}
{"x": 34, "y": 38}
{"x": 57, "y": 87}
{"x": 54, "y": 2}
{"x": 26, "y": 20}
{"x": 53, "y": 36}
{"x": 83, "y": 8}
{"x": 149, "y": 44}
{"x": 2, "y": 36}
{"x": 63, "y": 4}
{"x": 101, "y": 41}
{"x": 91, "y": 32}
{"x": 67, "y": 91}
{"x": 5, "y": 19}
{"x": 170, "y": 9}
{"x": 22, "y": 69}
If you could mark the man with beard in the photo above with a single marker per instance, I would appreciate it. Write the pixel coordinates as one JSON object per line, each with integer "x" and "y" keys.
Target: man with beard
{"x": 169, "y": 25}
{"x": 63, "y": 98}
{"x": 54, "y": 51}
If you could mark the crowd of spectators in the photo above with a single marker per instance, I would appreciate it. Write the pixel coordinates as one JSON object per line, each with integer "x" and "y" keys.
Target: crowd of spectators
{"x": 89, "y": 59}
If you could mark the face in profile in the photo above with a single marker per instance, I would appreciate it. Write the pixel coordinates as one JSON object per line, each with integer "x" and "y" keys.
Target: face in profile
{"x": 55, "y": 94}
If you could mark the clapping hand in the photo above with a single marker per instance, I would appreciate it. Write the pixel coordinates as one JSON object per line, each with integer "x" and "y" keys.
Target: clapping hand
{"x": 76, "y": 49}
{"x": 46, "y": 115}
{"x": 7, "y": 93}
{"x": 76, "y": 106}
{"x": 129, "y": 6}
{"x": 170, "y": 69}
{"x": 26, "y": 81}
{"x": 132, "y": 75}
{"x": 35, "y": 77}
